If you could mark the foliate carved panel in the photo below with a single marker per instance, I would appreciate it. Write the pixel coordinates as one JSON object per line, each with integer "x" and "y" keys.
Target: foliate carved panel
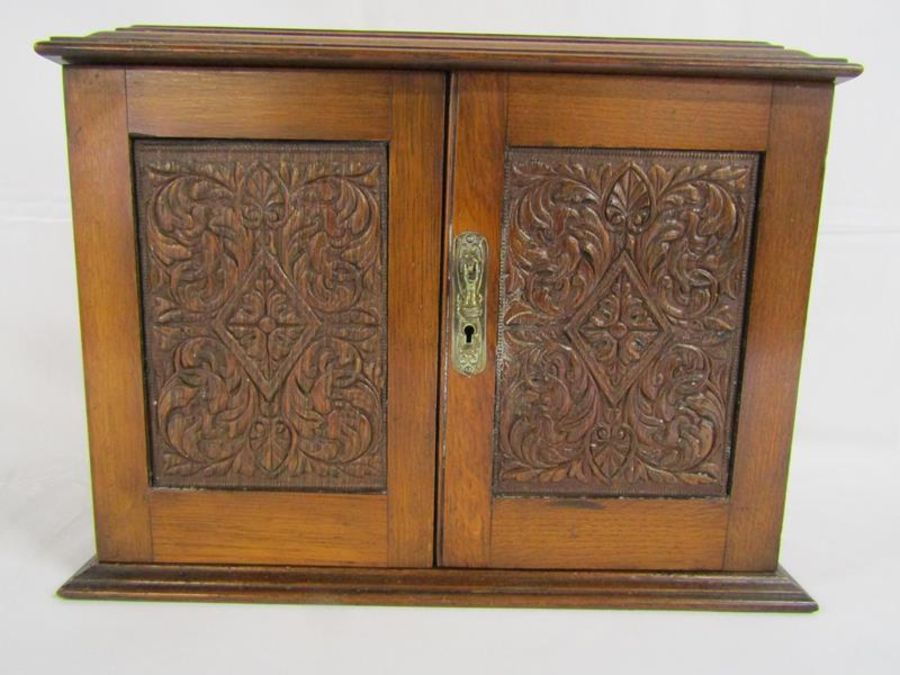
{"x": 264, "y": 300}
{"x": 623, "y": 284}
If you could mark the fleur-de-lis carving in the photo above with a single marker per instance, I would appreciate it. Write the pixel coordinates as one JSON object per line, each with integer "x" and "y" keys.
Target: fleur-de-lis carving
{"x": 629, "y": 204}
{"x": 262, "y": 198}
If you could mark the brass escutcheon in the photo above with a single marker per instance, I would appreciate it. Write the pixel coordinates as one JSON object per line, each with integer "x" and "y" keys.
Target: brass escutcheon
{"x": 468, "y": 342}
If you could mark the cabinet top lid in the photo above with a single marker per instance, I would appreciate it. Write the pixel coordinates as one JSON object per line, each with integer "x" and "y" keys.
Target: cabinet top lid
{"x": 196, "y": 46}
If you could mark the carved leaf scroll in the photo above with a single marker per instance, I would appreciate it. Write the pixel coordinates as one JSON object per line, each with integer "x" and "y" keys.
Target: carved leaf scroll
{"x": 622, "y": 300}
{"x": 263, "y": 267}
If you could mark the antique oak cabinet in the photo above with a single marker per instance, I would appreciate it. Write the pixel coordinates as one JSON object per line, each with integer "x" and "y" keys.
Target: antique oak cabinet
{"x": 447, "y": 319}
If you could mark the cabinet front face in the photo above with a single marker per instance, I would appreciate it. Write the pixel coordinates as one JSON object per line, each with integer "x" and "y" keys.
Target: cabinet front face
{"x": 620, "y": 417}
{"x": 271, "y": 389}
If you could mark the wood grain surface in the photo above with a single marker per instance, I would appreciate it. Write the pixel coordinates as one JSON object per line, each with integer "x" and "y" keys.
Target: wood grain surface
{"x": 414, "y": 264}
{"x": 247, "y": 104}
{"x": 650, "y": 534}
{"x": 559, "y": 110}
{"x": 476, "y": 161}
{"x": 105, "y": 253}
{"x": 162, "y": 45}
{"x": 786, "y": 236}
{"x": 268, "y": 528}
{"x": 772, "y": 592}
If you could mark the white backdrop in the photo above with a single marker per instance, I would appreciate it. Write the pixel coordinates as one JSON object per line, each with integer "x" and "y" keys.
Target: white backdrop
{"x": 841, "y": 532}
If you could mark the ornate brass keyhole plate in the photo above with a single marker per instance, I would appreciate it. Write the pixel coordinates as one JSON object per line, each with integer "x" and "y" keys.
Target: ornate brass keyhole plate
{"x": 468, "y": 342}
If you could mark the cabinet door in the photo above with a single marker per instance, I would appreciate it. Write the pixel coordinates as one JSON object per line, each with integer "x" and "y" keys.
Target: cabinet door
{"x": 647, "y": 249}
{"x": 258, "y": 256}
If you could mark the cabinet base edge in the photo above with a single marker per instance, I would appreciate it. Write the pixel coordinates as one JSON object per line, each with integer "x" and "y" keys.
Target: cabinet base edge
{"x": 730, "y": 591}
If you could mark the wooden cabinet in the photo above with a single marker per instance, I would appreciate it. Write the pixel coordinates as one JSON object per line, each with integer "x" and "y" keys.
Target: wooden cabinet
{"x": 440, "y": 318}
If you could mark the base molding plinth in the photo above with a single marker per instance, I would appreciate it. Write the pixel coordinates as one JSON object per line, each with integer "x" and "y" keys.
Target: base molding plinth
{"x": 742, "y": 591}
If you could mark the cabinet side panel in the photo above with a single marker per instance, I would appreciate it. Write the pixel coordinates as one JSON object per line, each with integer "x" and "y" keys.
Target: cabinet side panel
{"x": 106, "y": 259}
{"x": 786, "y": 233}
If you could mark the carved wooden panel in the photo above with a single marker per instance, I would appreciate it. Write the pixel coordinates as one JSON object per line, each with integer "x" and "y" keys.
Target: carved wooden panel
{"x": 623, "y": 278}
{"x": 264, "y": 299}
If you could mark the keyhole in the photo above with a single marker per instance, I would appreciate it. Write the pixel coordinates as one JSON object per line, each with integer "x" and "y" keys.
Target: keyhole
{"x": 469, "y": 330}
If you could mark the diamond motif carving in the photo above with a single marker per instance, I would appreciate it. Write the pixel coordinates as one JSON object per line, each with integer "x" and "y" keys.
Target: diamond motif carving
{"x": 619, "y": 330}
{"x": 264, "y": 301}
{"x": 622, "y": 296}
{"x": 267, "y": 324}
